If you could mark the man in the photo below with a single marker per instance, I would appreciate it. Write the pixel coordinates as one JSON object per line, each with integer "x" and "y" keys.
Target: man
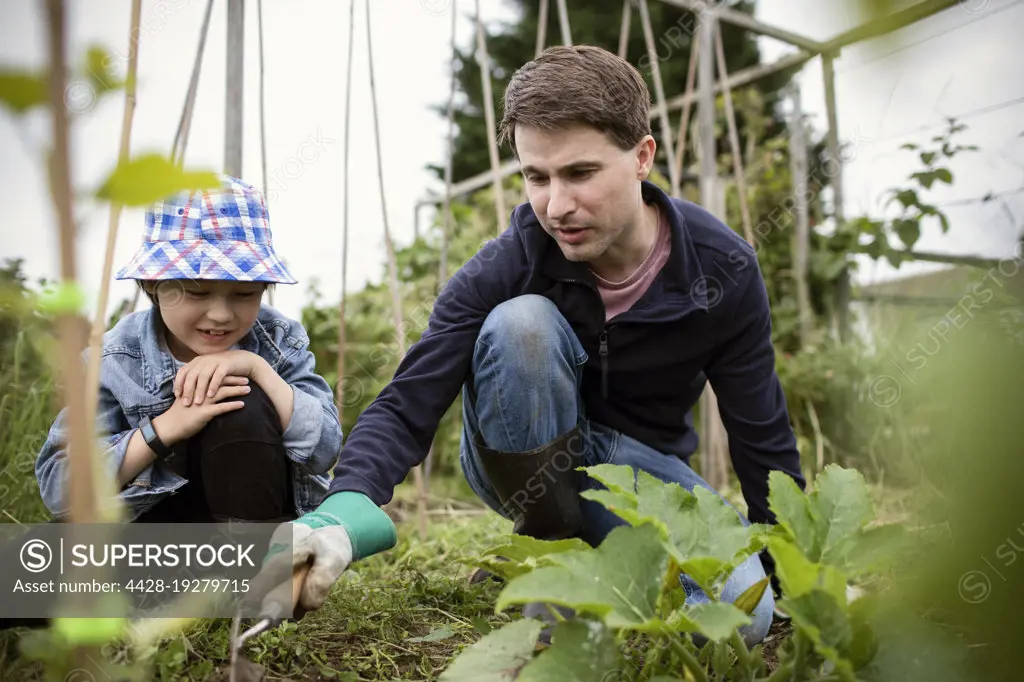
{"x": 584, "y": 334}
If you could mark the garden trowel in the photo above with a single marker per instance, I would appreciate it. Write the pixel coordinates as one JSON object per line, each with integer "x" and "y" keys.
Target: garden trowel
{"x": 276, "y": 602}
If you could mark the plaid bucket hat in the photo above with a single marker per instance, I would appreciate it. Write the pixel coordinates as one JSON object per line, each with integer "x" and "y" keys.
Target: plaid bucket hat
{"x": 222, "y": 234}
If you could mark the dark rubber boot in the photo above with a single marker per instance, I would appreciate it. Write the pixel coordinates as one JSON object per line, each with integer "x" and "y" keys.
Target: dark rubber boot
{"x": 540, "y": 491}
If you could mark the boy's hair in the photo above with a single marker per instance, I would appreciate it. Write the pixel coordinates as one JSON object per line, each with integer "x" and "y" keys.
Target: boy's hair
{"x": 579, "y": 84}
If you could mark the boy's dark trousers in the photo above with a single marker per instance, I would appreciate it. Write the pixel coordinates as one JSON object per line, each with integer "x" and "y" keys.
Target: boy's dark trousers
{"x": 237, "y": 470}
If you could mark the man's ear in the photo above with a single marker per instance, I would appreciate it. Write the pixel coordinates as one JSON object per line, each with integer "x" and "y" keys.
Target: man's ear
{"x": 645, "y": 150}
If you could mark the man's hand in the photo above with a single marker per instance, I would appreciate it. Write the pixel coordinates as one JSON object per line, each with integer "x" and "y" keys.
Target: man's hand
{"x": 347, "y": 526}
{"x": 201, "y": 378}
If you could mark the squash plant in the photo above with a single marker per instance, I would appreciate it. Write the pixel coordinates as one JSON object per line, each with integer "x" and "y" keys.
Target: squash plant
{"x": 628, "y": 588}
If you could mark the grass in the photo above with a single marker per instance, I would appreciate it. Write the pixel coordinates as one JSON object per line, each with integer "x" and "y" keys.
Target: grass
{"x": 369, "y": 627}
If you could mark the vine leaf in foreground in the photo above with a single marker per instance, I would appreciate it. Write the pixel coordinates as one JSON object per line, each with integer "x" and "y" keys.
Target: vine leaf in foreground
{"x": 618, "y": 581}
{"x": 498, "y": 656}
{"x": 704, "y": 535}
{"x": 582, "y": 650}
{"x": 152, "y": 177}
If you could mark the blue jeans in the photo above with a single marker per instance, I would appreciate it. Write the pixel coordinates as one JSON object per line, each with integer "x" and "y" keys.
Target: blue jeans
{"x": 524, "y": 393}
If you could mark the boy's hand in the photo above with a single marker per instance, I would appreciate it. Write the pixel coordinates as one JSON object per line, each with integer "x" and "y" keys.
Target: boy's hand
{"x": 182, "y": 421}
{"x": 201, "y": 378}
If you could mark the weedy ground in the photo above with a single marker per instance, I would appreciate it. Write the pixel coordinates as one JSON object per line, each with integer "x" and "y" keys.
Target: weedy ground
{"x": 400, "y": 615}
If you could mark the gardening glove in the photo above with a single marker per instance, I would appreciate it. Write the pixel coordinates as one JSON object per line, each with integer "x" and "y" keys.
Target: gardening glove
{"x": 346, "y": 527}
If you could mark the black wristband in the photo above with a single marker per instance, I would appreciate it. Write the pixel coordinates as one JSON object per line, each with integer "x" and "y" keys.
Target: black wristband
{"x": 153, "y": 440}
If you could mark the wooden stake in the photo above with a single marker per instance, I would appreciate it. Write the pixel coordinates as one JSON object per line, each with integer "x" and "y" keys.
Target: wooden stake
{"x": 492, "y": 138}
{"x": 706, "y": 108}
{"x": 659, "y": 89}
{"x": 446, "y": 224}
{"x": 563, "y": 23}
{"x": 82, "y": 504}
{"x": 263, "y": 118}
{"x": 842, "y": 302}
{"x": 340, "y": 387}
{"x": 542, "y": 27}
{"x": 99, "y": 322}
{"x": 396, "y": 298}
{"x": 801, "y": 235}
{"x": 180, "y": 143}
{"x": 711, "y": 196}
{"x": 234, "y": 103}
{"x": 734, "y": 137}
{"x": 627, "y": 13}
{"x": 691, "y": 81}
{"x": 446, "y": 228}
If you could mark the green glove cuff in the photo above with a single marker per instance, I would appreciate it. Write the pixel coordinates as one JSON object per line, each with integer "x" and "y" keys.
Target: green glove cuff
{"x": 369, "y": 528}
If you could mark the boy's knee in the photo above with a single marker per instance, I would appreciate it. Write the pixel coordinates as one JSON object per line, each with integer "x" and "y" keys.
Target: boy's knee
{"x": 259, "y": 416}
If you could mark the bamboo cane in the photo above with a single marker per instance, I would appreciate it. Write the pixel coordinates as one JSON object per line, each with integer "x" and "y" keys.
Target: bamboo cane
{"x": 81, "y": 502}
{"x": 691, "y": 82}
{"x": 340, "y": 388}
{"x": 99, "y": 322}
{"x": 446, "y": 225}
{"x": 659, "y": 90}
{"x": 396, "y": 300}
{"x": 263, "y": 116}
{"x": 627, "y": 12}
{"x": 734, "y": 138}
{"x": 542, "y": 27}
{"x": 492, "y": 142}
{"x": 82, "y": 505}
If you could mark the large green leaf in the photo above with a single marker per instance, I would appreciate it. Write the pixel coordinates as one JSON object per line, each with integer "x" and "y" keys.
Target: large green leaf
{"x": 841, "y": 507}
{"x": 581, "y": 650}
{"x": 822, "y": 619}
{"x": 20, "y": 91}
{"x": 618, "y": 581}
{"x": 498, "y": 656}
{"x": 521, "y": 554}
{"x": 701, "y": 532}
{"x": 715, "y": 620}
{"x": 798, "y": 576}
{"x": 873, "y": 549}
{"x": 152, "y": 177}
{"x": 792, "y": 509}
{"x": 828, "y": 525}
{"x": 618, "y": 478}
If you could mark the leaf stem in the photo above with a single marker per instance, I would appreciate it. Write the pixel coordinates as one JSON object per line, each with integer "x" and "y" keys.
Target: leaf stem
{"x": 742, "y": 653}
{"x": 651, "y": 658}
{"x": 688, "y": 660}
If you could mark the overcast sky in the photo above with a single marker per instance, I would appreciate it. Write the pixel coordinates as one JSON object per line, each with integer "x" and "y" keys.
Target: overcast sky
{"x": 963, "y": 62}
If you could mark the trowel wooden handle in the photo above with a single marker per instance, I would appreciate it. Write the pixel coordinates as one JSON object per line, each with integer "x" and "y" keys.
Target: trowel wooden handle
{"x": 298, "y": 579}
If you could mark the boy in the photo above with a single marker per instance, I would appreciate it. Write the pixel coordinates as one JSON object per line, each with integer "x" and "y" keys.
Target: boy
{"x": 583, "y": 334}
{"x": 210, "y": 400}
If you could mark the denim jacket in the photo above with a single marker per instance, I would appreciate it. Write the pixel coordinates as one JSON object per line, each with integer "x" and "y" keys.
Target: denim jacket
{"x": 137, "y": 379}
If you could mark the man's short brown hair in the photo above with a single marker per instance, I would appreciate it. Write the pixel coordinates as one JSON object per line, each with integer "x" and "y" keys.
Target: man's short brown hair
{"x": 580, "y": 84}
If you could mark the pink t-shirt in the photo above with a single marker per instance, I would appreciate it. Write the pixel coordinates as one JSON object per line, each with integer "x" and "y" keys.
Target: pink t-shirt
{"x": 620, "y": 296}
